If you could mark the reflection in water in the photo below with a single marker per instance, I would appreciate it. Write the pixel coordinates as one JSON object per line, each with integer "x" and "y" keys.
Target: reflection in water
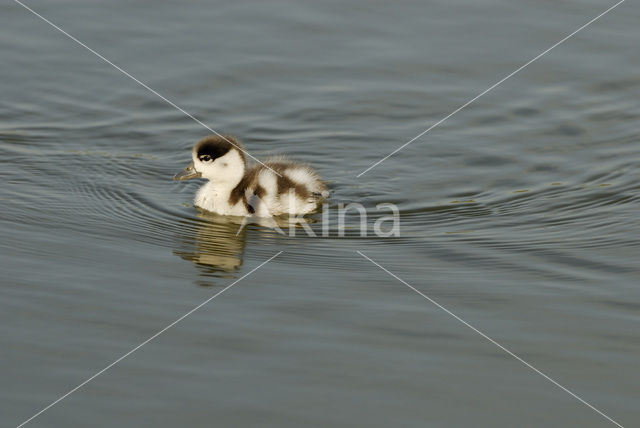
{"x": 214, "y": 243}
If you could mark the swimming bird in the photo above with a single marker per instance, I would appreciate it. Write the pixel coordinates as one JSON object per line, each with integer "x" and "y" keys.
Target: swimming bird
{"x": 277, "y": 186}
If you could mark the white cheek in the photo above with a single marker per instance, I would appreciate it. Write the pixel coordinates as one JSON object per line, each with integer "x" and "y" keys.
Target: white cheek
{"x": 225, "y": 169}
{"x": 205, "y": 168}
{"x": 212, "y": 168}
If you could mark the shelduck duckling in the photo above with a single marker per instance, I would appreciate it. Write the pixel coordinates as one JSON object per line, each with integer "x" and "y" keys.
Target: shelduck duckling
{"x": 279, "y": 186}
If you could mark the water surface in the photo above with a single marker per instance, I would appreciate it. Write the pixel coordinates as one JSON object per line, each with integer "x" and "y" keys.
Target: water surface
{"x": 518, "y": 214}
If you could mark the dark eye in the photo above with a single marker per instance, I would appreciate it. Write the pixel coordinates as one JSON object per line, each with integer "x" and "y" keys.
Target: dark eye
{"x": 205, "y": 158}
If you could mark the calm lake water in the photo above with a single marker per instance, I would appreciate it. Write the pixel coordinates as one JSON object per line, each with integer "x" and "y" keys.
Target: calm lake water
{"x": 519, "y": 214}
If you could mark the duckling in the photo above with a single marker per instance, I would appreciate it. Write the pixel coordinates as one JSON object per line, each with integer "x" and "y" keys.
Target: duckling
{"x": 277, "y": 186}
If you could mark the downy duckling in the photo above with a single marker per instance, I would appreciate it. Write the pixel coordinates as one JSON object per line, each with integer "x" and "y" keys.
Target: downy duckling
{"x": 279, "y": 186}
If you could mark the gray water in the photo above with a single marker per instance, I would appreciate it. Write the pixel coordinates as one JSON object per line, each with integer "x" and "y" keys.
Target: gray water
{"x": 518, "y": 214}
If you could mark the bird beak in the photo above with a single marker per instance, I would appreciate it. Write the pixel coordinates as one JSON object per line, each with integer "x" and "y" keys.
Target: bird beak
{"x": 187, "y": 173}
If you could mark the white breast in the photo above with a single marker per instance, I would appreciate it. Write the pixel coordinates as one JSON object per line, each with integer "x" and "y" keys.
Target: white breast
{"x": 212, "y": 199}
